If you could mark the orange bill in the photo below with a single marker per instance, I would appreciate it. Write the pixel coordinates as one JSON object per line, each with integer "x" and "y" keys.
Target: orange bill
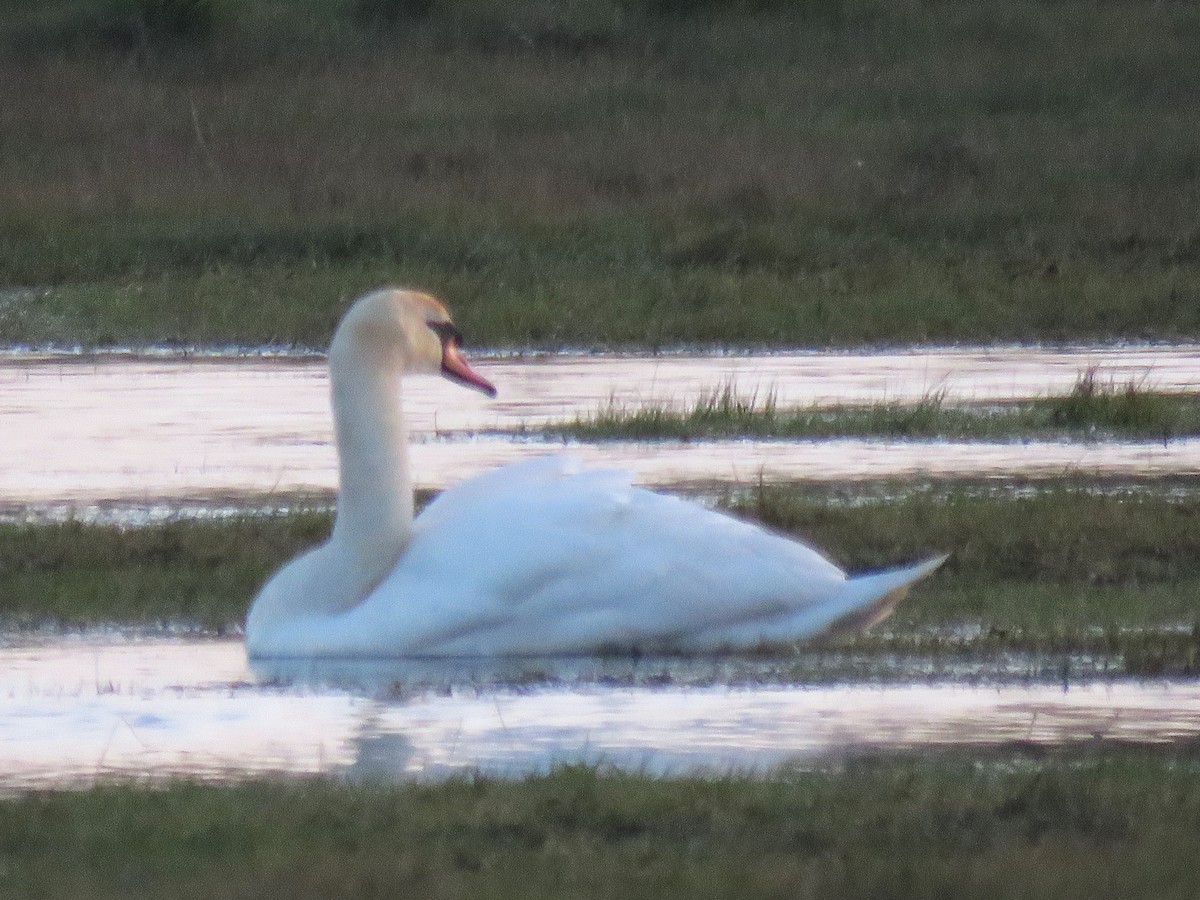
{"x": 456, "y": 368}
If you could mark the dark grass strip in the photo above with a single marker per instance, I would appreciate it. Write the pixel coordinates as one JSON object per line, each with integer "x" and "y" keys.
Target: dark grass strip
{"x": 221, "y": 172}
{"x": 1055, "y": 568}
{"x": 1098, "y": 824}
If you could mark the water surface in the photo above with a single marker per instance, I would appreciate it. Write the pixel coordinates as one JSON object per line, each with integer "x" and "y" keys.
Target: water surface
{"x": 135, "y": 431}
{"x": 74, "y": 710}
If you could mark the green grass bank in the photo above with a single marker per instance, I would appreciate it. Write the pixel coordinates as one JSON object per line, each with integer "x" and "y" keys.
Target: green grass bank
{"x": 1062, "y": 571}
{"x": 1099, "y": 824}
{"x": 601, "y": 172}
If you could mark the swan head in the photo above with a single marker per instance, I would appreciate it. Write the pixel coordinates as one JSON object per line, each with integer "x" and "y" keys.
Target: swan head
{"x": 411, "y": 332}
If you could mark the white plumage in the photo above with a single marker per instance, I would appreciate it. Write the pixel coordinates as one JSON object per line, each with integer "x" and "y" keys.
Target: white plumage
{"x": 540, "y": 557}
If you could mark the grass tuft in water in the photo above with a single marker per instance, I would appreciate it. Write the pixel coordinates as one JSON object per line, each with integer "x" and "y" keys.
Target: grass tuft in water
{"x": 1092, "y": 409}
{"x": 1094, "y": 404}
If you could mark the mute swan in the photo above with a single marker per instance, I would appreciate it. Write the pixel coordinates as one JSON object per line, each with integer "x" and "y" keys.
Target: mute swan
{"x": 533, "y": 558}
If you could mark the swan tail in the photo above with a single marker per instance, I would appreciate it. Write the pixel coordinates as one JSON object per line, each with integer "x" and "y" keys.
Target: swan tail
{"x": 869, "y": 599}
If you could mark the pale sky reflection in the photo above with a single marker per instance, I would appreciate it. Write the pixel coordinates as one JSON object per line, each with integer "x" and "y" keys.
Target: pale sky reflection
{"x": 74, "y": 710}
{"x": 78, "y": 430}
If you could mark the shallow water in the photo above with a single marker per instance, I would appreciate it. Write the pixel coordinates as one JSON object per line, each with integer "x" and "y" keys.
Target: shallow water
{"x": 74, "y": 710}
{"x": 134, "y": 431}
{"x": 130, "y": 434}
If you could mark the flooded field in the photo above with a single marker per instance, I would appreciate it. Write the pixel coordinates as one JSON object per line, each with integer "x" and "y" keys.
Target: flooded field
{"x": 130, "y": 430}
{"x": 114, "y": 436}
{"x": 77, "y": 709}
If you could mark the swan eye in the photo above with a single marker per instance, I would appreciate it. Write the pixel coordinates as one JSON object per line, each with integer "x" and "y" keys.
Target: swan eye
{"x": 446, "y": 332}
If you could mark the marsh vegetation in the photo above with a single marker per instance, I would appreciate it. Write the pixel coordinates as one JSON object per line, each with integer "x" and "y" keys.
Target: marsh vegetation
{"x": 637, "y": 173}
{"x": 604, "y": 172}
{"x": 1061, "y": 570}
{"x": 1082, "y": 824}
{"x": 1093, "y": 409}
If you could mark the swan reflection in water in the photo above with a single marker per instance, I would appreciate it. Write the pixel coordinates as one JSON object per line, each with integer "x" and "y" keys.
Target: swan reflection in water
{"x": 77, "y": 709}
{"x": 675, "y": 716}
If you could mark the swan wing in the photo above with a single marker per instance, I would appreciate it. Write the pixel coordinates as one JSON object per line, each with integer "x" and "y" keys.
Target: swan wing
{"x": 548, "y": 557}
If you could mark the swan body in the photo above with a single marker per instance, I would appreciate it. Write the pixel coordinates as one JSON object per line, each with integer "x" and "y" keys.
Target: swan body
{"x": 540, "y": 557}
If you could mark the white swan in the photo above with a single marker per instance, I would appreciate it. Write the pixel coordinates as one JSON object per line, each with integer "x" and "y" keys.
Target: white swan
{"x": 534, "y": 558}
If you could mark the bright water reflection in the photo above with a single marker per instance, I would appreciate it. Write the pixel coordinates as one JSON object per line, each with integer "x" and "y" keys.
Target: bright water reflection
{"x": 77, "y": 709}
{"x": 79, "y": 430}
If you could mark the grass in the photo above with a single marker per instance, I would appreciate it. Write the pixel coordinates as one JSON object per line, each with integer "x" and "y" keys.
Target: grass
{"x": 1063, "y": 537}
{"x": 615, "y": 172}
{"x": 1096, "y": 405}
{"x": 1082, "y": 824}
{"x": 203, "y": 172}
{"x": 1060, "y": 571}
{"x": 198, "y": 572}
{"x": 724, "y": 412}
{"x": 1092, "y": 409}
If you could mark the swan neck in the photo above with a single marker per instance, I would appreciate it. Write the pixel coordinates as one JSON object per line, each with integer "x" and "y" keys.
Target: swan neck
{"x": 375, "y": 504}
